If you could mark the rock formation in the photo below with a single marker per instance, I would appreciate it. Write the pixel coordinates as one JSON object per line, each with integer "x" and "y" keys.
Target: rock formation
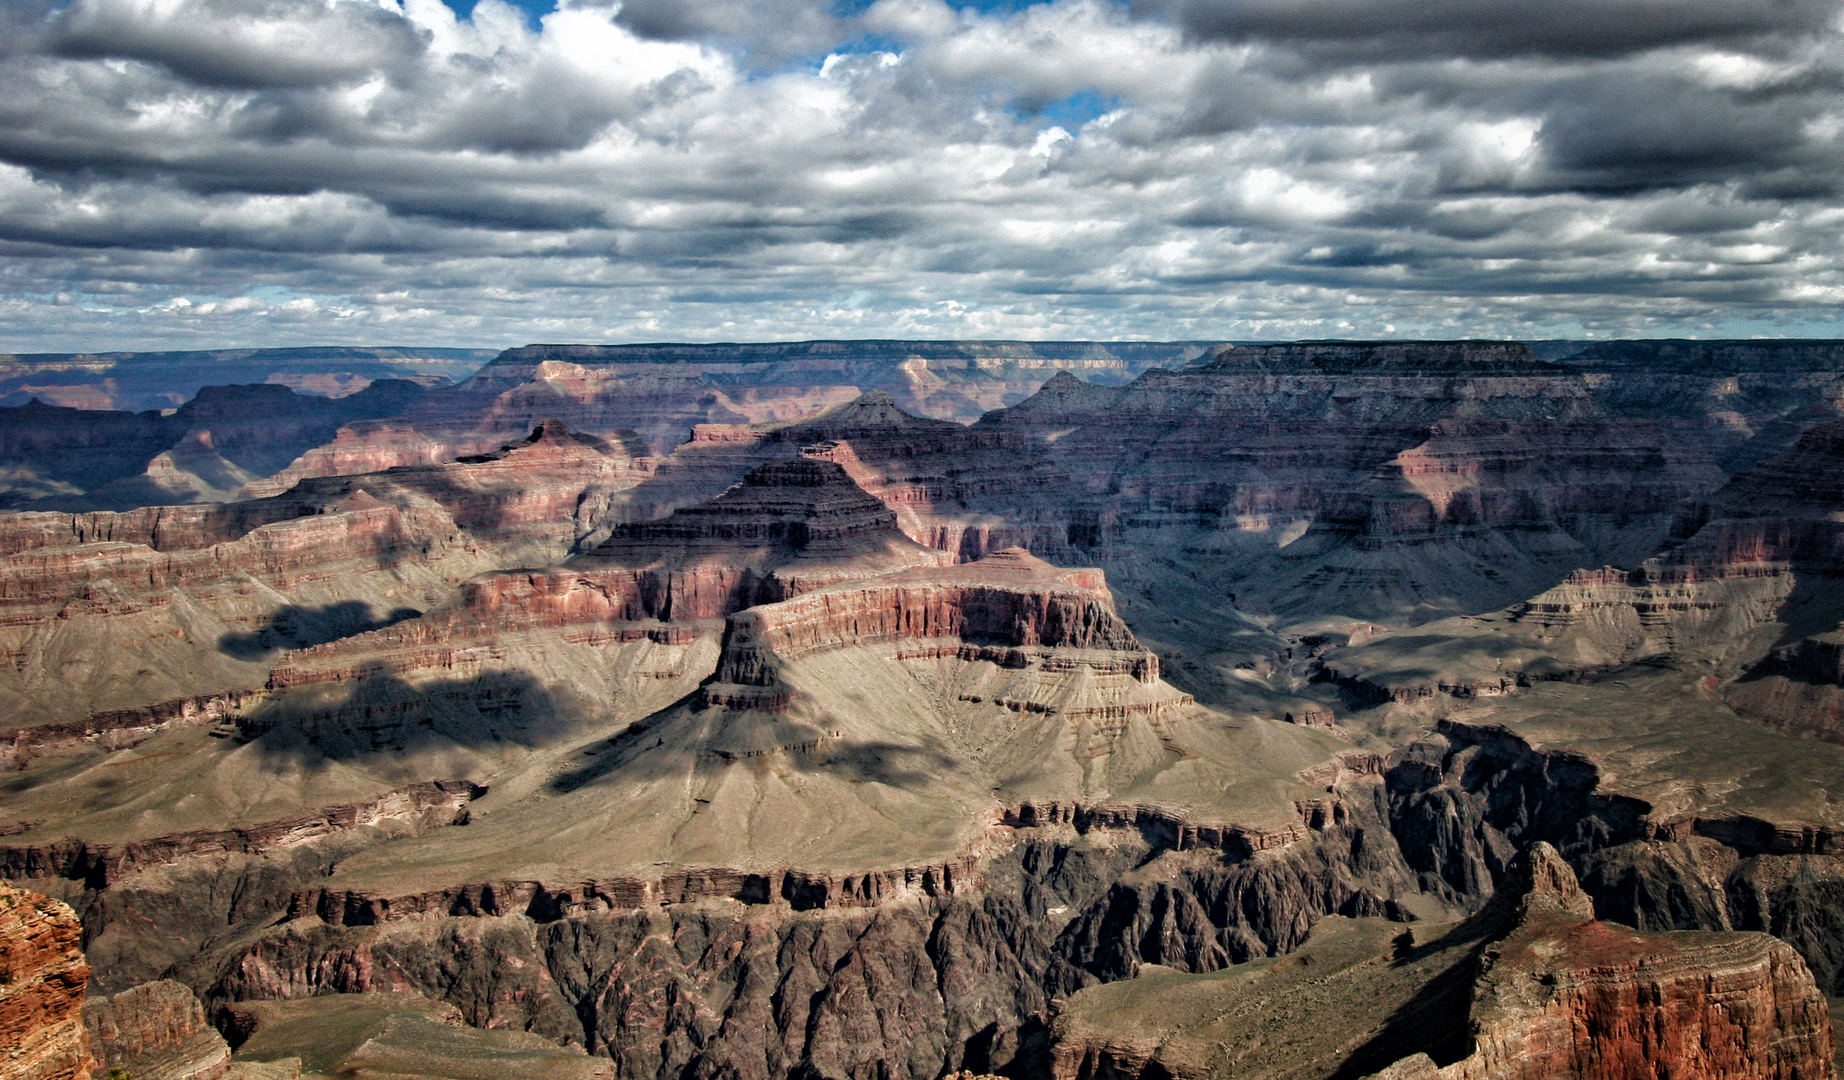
{"x": 1384, "y": 483}
{"x": 42, "y": 977}
{"x": 1553, "y": 994}
{"x": 1753, "y": 563}
{"x": 205, "y": 451}
{"x": 192, "y": 600}
{"x": 156, "y": 1031}
{"x": 135, "y": 381}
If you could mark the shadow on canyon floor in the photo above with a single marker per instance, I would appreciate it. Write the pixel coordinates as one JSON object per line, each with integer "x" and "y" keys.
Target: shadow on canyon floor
{"x": 300, "y": 627}
{"x": 379, "y": 713}
{"x": 633, "y": 753}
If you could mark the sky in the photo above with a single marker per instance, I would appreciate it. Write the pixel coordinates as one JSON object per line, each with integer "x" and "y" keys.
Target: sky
{"x": 234, "y": 173}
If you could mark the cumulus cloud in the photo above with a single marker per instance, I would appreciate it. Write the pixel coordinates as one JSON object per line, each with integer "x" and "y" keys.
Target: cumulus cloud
{"x": 372, "y": 170}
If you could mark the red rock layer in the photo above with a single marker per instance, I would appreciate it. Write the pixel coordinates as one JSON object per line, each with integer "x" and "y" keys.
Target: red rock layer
{"x": 662, "y": 390}
{"x": 1566, "y": 999}
{"x": 1009, "y": 598}
{"x": 1374, "y": 450}
{"x": 42, "y": 977}
{"x": 370, "y": 446}
{"x": 789, "y": 527}
{"x": 1736, "y": 562}
{"x": 967, "y": 491}
{"x": 544, "y": 491}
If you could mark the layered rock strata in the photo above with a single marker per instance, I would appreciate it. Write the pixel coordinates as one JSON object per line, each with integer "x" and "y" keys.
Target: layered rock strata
{"x": 79, "y": 459}
{"x": 788, "y": 527}
{"x": 155, "y": 1031}
{"x": 1564, "y": 997}
{"x": 661, "y": 390}
{"x": 42, "y": 978}
{"x": 1390, "y": 483}
{"x": 1751, "y": 564}
{"x": 967, "y": 491}
{"x": 424, "y": 805}
{"x": 1034, "y": 649}
{"x": 173, "y": 603}
{"x": 1553, "y": 993}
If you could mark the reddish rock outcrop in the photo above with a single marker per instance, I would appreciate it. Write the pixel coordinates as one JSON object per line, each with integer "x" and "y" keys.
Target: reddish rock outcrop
{"x": 1563, "y": 996}
{"x": 662, "y": 390}
{"x": 203, "y": 451}
{"x": 155, "y": 1031}
{"x": 1552, "y": 994}
{"x": 42, "y": 977}
{"x": 790, "y": 526}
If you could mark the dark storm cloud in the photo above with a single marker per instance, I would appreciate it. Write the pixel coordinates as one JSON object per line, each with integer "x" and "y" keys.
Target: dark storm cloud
{"x": 241, "y": 43}
{"x": 271, "y": 170}
{"x": 1482, "y": 29}
{"x": 767, "y": 32}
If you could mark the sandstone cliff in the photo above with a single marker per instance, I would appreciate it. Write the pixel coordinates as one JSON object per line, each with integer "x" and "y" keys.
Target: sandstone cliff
{"x": 42, "y": 977}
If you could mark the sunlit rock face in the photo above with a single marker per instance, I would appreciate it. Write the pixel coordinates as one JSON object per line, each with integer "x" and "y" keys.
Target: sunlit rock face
{"x": 42, "y": 978}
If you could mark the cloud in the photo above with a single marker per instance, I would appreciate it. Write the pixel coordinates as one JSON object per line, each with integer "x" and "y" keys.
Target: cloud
{"x": 714, "y": 169}
{"x": 243, "y": 44}
{"x": 1484, "y": 29}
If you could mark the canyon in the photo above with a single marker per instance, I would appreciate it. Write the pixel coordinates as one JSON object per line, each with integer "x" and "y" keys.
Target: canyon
{"x": 905, "y": 709}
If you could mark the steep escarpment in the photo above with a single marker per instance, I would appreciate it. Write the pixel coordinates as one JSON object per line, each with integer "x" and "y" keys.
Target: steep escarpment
{"x": 194, "y": 600}
{"x": 156, "y": 1031}
{"x": 1385, "y": 483}
{"x": 1743, "y": 570}
{"x": 42, "y": 977}
{"x": 1531, "y": 987}
{"x": 965, "y": 490}
{"x": 204, "y": 451}
{"x": 1746, "y": 400}
{"x": 661, "y": 390}
{"x": 789, "y": 526}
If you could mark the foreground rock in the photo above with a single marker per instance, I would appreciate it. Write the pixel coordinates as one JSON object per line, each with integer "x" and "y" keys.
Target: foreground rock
{"x": 155, "y": 1031}
{"x": 1531, "y": 989}
{"x": 42, "y": 978}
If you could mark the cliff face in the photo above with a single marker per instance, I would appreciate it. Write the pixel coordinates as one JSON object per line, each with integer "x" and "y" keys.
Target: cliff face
{"x": 156, "y": 1031}
{"x": 42, "y": 976}
{"x": 1553, "y": 994}
{"x": 788, "y": 527}
{"x": 1564, "y": 997}
{"x": 661, "y": 390}
{"x": 87, "y": 458}
{"x": 1394, "y": 484}
{"x": 197, "y": 598}
{"x": 1741, "y": 571}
